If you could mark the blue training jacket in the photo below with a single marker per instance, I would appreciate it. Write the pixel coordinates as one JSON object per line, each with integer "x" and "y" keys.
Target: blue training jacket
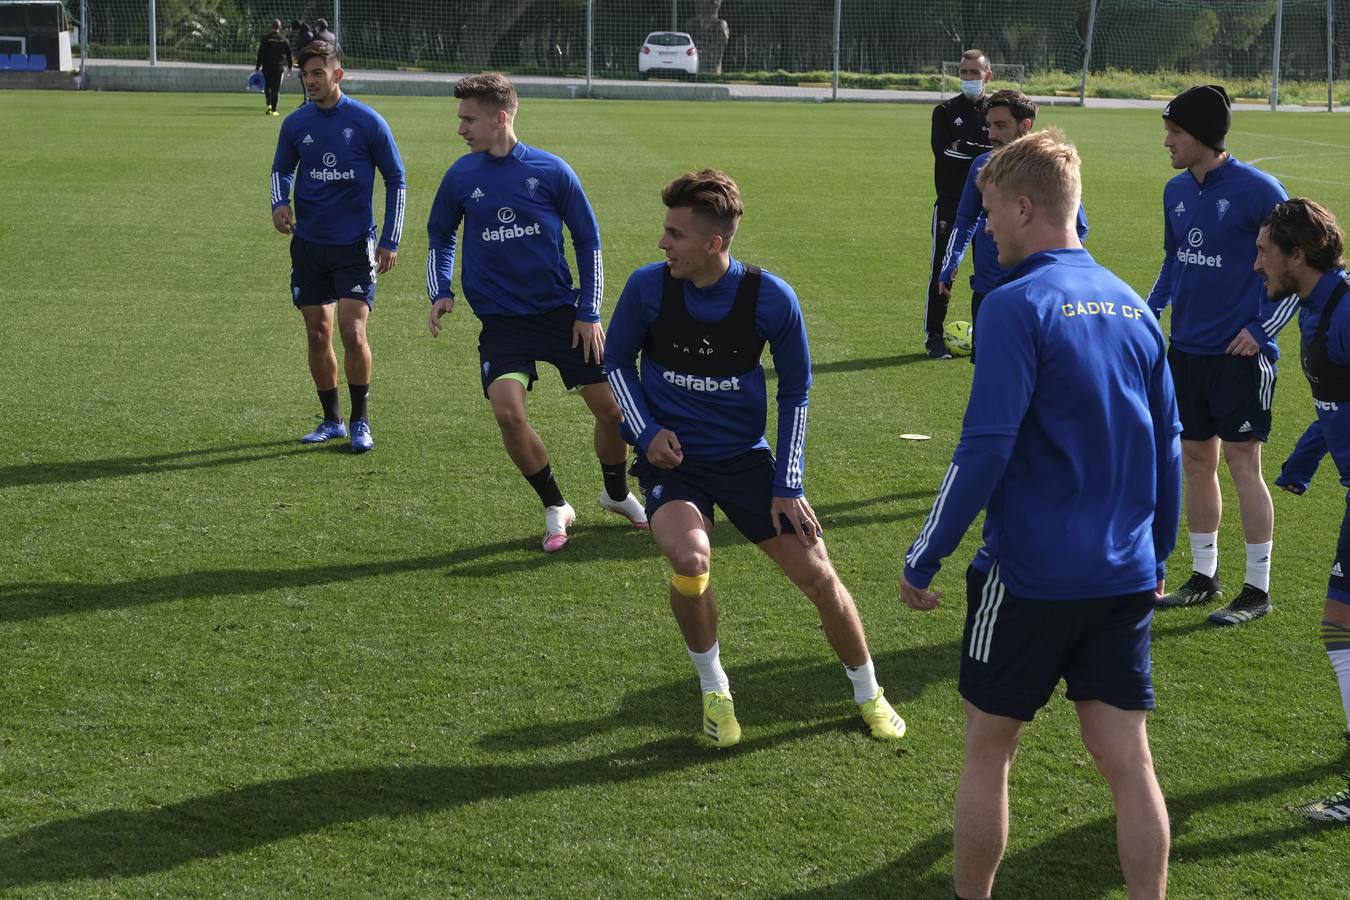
{"x": 337, "y": 152}
{"x": 1331, "y": 431}
{"x": 1209, "y": 244}
{"x": 513, "y": 209}
{"x": 721, "y": 424}
{"x": 1071, "y": 441}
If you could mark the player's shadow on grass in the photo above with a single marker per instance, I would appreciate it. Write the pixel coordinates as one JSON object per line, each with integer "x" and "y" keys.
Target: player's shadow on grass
{"x": 803, "y": 690}
{"x": 1082, "y": 861}
{"x": 120, "y": 466}
{"x": 590, "y": 543}
{"x": 30, "y": 600}
{"x": 125, "y": 843}
{"x": 858, "y": 365}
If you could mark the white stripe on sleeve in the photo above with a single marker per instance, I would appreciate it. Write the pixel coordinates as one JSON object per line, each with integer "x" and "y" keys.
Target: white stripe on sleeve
{"x": 929, "y": 526}
{"x": 625, "y": 400}
{"x": 396, "y": 233}
{"x": 1288, "y": 306}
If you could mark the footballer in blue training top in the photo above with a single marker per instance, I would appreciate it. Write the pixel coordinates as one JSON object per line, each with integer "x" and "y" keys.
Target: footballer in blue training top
{"x": 1070, "y": 446}
{"x": 1300, "y": 250}
{"x": 329, "y": 149}
{"x": 696, "y": 411}
{"x": 513, "y": 201}
{"x": 1223, "y": 349}
{"x": 1010, "y": 115}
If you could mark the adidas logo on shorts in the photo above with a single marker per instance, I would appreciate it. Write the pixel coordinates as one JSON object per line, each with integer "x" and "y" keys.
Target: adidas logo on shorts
{"x": 1246, "y": 427}
{"x": 1336, "y": 569}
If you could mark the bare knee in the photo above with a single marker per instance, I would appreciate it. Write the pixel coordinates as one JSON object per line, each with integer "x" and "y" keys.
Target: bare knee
{"x": 353, "y": 336}
{"x": 1244, "y": 461}
{"x": 320, "y": 337}
{"x": 510, "y": 417}
{"x": 690, "y": 560}
{"x": 821, "y": 584}
{"x": 1115, "y": 758}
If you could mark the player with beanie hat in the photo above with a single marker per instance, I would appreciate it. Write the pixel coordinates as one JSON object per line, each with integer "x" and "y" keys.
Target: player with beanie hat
{"x": 1205, "y": 111}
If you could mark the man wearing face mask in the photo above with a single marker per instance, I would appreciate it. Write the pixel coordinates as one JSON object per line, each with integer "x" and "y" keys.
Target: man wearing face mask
{"x": 959, "y": 135}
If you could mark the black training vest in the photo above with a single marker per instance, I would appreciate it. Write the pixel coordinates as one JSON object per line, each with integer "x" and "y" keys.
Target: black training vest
{"x": 1330, "y": 382}
{"x": 683, "y": 344}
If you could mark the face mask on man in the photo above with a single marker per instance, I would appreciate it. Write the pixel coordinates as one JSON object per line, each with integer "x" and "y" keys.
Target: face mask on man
{"x": 972, "y": 88}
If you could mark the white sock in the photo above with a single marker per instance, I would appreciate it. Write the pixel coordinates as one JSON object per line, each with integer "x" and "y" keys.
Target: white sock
{"x": 864, "y": 680}
{"x": 711, "y": 677}
{"x": 1205, "y": 552}
{"x": 1337, "y": 640}
{"x": 1258, "y": 566}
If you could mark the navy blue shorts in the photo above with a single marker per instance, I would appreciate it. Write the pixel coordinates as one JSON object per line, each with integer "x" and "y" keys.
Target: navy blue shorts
{"x": 1014, "y": 651}
{"x": 325, "y": 273}
{"x": 1338, "y": 585}
{"x": 1228, "y": 396}
{"x": 741, "y": 486}
{"x": 515, "y": 343}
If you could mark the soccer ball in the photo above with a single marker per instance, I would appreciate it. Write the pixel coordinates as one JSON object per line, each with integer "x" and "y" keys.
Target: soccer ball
{"x": 957, "y": 337}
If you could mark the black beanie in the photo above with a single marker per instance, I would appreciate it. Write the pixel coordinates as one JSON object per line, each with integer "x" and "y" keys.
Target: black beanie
{"x": 1204, "y": 111}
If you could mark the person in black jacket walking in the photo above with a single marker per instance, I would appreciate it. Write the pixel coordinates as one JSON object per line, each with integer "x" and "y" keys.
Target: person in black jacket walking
{"x": 959, "y": 135}
{"x": 274, "y": 60}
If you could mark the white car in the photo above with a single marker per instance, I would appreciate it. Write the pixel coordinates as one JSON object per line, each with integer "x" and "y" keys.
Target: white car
{"x": 668, "y": 51}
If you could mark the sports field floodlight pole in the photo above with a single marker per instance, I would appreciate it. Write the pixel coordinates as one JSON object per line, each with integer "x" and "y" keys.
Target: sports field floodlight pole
{"x": 1087, "y": 53}
{"x": 838, "y": 17}
{"x": 84, "y": 40}
{"x": 1275, "y": 60}
{"x": 337, "y": 18}
{"x": 1331, "y": 53}
{"x": 674, "y": 15}
{"x": 154, "y": 55}
{"x": 590, "y": 42}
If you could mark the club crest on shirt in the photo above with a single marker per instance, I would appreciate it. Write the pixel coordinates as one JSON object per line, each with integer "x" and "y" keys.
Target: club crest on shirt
{"x": 1223, "y": 208}
{"x": 533, "y": 184}
{"x": 347, "y": 136}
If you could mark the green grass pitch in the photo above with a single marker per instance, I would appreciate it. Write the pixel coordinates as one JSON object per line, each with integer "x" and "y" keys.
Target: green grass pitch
{"x": 232, "y": 665}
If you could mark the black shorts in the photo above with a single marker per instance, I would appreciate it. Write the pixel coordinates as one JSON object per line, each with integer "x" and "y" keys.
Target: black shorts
{"x": 1014, "y": 650}
{"x": 1338, "y": 585}
{"x": 325, "y": 273}
{"x": 741, "y": 486}
{"x": 515, "y": 343}
{"x": 1228, "y": 396}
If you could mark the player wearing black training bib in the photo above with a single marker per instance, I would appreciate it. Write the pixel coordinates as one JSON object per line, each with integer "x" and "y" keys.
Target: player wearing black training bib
{"x": 1300, "y": 250}
{"x": 696, "y": 412}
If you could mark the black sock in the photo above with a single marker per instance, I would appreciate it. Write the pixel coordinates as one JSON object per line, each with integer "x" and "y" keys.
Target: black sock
{"x": 360, "y": 394}
{"x": 544, "y": 485}
{"x": 616, "y": 481}
{"x": 329, "y": 399}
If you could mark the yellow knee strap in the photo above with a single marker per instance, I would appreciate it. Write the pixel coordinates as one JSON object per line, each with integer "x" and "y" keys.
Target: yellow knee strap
{"x": 689, "y": 585}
